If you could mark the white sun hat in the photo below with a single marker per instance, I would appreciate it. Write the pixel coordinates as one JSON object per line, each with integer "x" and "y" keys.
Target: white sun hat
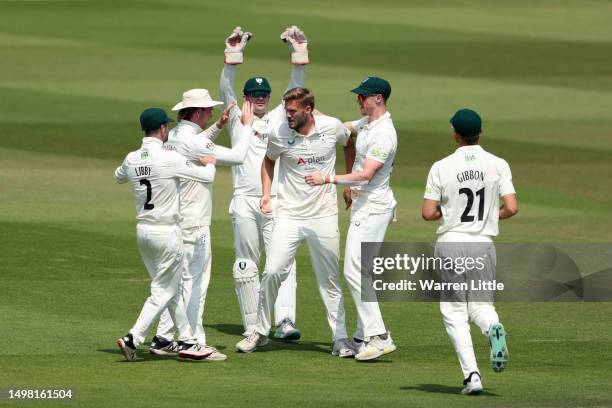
{"x": 196, "y": 98}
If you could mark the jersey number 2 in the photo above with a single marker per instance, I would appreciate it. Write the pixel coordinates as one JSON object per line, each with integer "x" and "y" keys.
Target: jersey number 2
{"x": 148, "y": 205}
{"x": 465, "y": 217}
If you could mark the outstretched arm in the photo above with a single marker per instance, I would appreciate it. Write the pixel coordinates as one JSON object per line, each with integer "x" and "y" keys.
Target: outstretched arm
{"x": 185, "y": 169}
{"x": 226, "y": 84}
{"x": 213, "y": 131}
{"x": 237, "y": 154}
{"x": 358, "y": 178}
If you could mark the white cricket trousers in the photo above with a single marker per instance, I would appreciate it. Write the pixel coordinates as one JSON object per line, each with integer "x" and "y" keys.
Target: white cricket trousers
{"x": 161, "y": 249}
{"x": 252, "y": 231}
{"x": 323, "y": 240}
{"x": 194, "y": 283}
{"x": 458, "y": 314}
{"x": 364, "y": 227}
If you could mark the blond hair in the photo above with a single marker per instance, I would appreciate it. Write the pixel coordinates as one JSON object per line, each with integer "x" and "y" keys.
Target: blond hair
{"x": 302, "y": 95}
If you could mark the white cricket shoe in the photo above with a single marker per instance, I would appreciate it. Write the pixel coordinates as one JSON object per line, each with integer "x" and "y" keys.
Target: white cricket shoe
{"x": 250, "y": 343}
{"x": 343, "y": 348}
{"x": 194, "y": 351}
{"x": 376, "y": 347}
{"x": 287, "y": 331}
{"x": 163, "y": 347}
{"x": 126, "y": 344}
{"x": 472, "y": 385}
{"x": 216, "y": 355}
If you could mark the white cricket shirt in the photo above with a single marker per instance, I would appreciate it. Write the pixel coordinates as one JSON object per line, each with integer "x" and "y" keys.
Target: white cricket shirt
{"x": 299, "y": 155}
{"x": 154, "y": 175}
{"x": 376, "y": 141}
{"x": 468, "y": 184}
{"x": 188, "y": 139}
{"x": 246, "y": 177}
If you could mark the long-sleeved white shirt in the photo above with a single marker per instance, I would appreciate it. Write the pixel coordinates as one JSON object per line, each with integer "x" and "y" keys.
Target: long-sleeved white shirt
{"x": 247, "y": 176}
{"x": 154, "y": 175}
{"x": 188, "y": 139}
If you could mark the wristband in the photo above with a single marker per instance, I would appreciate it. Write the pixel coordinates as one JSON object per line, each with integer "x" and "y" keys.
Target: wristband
{"x": 331, "y": 179}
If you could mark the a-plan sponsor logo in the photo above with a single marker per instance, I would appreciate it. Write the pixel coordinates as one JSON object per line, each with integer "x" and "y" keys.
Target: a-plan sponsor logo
{"x": 470, "y": 158}
{"x": 311, "y": 160}
{"x": 261, "y": 136}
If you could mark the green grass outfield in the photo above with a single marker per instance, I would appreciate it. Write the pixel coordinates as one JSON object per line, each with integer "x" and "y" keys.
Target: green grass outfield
{"x": 74, "y": 76}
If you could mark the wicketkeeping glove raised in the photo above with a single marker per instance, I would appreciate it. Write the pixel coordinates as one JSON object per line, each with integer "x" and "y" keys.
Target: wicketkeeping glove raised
{"x": 234, "y": 44}
{"x": 298, "y": 44}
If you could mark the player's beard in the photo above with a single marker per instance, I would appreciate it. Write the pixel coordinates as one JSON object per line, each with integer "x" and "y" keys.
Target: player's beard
{"x": 297, "y": 123}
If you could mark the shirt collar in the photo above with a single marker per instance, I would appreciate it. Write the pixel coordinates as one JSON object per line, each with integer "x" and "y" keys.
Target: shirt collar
{"x": 370, "y": 125}
{"x": 152, "y": 142}
{"x": 469, "y": 148}
{"x": 315, "y": 130}
{"x": 190, "y": 124}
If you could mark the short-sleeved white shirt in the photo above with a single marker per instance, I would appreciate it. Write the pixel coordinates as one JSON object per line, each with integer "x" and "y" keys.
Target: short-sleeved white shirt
{"x": 468, "y": 184}
{"x": 300, "y": 155}
{"x": 376, "y": 141}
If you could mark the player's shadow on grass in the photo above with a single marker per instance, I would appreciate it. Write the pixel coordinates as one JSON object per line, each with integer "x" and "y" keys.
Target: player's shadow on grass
{"x": 299, "y": 345}
{"x": 143, "y": 356}
{"x": 274, "y": 345}
{"x": 443, "y": 389}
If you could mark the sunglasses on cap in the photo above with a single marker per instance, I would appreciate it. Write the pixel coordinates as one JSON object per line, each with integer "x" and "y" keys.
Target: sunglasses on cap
{"x": 258, "y": 94}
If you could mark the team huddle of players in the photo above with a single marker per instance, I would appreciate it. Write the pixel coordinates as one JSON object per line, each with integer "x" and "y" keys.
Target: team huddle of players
{"x": 283, "y": 171}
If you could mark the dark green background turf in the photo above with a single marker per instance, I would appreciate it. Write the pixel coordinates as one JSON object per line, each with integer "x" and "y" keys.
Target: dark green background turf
{"x": 74, "y": 75}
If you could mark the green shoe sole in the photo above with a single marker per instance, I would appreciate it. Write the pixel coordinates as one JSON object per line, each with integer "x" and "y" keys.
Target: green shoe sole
{"x": 294, "y": 335}
{"x": 499, "y": 350}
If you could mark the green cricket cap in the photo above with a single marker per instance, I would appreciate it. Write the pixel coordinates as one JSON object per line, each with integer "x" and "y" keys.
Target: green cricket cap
{"x": 257, "y": 84}
{"x": 151, "y": 119}
{"x": 466, "y": 122}
{"x": 373, "y": 85}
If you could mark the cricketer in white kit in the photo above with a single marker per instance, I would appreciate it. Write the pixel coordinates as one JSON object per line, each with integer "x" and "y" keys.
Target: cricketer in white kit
{"x": 463, "y": 191}
{"x": 188, "y": 139}
{"x": 252, "y": 228}
{"x": 373, "y": 206}
{"x": 302, "y": 145}
{"x": 154, "y": 175}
